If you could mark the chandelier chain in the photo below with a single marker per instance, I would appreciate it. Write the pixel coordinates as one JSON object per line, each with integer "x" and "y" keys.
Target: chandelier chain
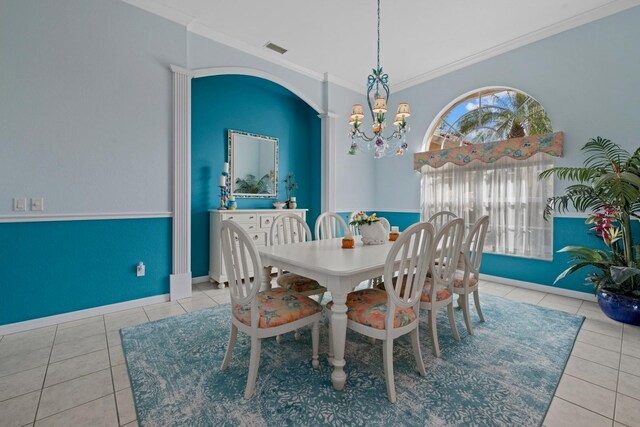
{"x": 378, "y": 34}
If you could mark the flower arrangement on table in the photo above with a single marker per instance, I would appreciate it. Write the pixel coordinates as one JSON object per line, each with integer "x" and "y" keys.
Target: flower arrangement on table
{"x": 371, "y": 229}
{"x": 361, "y": 218}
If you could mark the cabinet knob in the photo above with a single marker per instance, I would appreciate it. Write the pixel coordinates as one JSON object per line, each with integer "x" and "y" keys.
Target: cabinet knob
{"x": 230, "y": 217}
{"x": 267, "y": 221}
{"x": 255, "y": 237}
{"x": 251, "y": 217}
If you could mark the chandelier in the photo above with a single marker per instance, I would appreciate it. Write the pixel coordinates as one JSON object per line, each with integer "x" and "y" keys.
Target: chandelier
{"x": 377, "y": 98}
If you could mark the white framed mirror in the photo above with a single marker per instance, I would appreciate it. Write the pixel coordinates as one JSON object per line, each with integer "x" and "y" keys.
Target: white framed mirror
{"x": 253, "y": 161}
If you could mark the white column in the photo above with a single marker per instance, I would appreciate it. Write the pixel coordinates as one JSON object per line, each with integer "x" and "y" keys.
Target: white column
{"x": 328, "y": 161}
{"x": 180, "y": 280}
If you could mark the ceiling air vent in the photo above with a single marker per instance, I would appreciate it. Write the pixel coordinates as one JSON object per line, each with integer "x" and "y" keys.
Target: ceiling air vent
{"x": 274, "y": 47}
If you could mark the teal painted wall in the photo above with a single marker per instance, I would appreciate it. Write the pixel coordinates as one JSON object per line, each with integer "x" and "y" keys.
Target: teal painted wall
{"x": 566, "y": 232}
{"x": 50, "y": 268}
{"x": 255, "y": 105}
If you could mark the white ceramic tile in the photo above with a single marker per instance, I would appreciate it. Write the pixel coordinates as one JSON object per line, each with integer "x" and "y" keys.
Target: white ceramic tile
{"x": 164, "y": 311}
{"x": 582, "y": 393}
{"x": 630, "y": 365}
{"x": 22, "y": 362}
{"x": 76, "y": 367}
{"x": 125, "y": 319}
{"x": 26, "y": 342}
{"x": 566, "y": 414}
{"x": 126, "y": 408}
{"x": 97, "y": 413}
{"x": 197, "y": 304}
{"x": 113, "y": 338}
{"x": 75, "y": 392}
{"x": 560, "y": 307}
{"x": 629, "y": 385}
{"x": 20, "y": 410}
{"x": 628, "y": 411}
{"x": 590, "y": 313}
{"x": 222, "y": 299}
{"x": 131, "y": 424}
{"x": 590, "y": 305}
{"x": 632, "y": 331}
{"x": 600, "y": 340}
{"x": 71, "y": 349}
{"x": 631, "y": 347}
{"x": 18, "y": 336}
{"x": 76, "y": 333}
{"x": 120, "y": 377}
{"x": 596, "y": 354}
{"x": 80, "y": 322}
{"x": 562, "y": 300}
{"x": 525, "y": 295}
{"x": 593, "y": 372}
{"x": 116, "y": 355}
{"x": 606, "y": 328}
{"x": 21, "y": 383}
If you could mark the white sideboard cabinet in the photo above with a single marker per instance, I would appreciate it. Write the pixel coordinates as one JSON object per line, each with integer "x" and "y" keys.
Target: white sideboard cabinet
{"x": 257, "y": 222}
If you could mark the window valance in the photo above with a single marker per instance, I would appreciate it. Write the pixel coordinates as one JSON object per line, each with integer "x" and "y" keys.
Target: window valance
{"x": 516, "y": 148}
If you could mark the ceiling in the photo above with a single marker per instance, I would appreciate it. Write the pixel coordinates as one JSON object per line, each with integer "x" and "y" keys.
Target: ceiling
{"x": 420, "y": 39}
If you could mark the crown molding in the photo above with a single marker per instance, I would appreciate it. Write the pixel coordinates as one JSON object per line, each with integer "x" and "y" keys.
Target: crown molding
{"x": 331, "y": 78}
{"x": 551, "y": 30}
{"x": 163, "y": 11}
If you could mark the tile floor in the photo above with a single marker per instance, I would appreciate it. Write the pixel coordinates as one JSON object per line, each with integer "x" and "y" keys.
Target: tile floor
{"x": 73, "y": 374}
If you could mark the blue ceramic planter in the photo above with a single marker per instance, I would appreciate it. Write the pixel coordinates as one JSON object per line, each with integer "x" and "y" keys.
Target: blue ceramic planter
{"x": 620, "y": 307}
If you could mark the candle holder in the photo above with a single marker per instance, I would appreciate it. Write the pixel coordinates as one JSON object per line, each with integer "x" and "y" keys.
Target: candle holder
{"x": 224, "y": 193}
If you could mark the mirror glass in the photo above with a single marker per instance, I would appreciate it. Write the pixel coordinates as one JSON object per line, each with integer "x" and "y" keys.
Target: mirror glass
{"x": 254, "y": 164}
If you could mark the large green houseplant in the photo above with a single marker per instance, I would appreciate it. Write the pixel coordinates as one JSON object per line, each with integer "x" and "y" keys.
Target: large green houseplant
{"x": 608, "y": 187}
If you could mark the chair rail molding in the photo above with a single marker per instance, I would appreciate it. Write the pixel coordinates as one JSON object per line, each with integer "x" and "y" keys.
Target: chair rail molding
{"x": 181, "y": 278}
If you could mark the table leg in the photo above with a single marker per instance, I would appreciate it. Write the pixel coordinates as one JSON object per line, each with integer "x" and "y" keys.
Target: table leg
{"x": 339, "y": 335}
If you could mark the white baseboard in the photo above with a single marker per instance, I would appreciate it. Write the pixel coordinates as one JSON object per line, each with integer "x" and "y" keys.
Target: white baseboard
{"x": 537, "y": 287}
{"x": 80, "y": 314}
{"x": 199, "y": 279}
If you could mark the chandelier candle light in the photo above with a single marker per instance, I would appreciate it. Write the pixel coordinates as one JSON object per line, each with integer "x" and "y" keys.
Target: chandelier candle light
{"x": 394, "y": 144}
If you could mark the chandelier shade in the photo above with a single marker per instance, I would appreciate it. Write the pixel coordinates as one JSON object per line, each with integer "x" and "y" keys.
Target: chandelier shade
{"x": 377, "y": 99}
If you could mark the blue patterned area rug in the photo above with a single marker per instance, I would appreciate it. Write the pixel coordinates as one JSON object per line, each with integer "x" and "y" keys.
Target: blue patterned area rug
{"x": 504, "y": 375}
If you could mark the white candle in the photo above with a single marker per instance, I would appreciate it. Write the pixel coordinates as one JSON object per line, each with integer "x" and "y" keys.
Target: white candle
{"x": 225, "y": 168}
{"x": 395, "y": 229}
{"x": 223, "y": 181}
{"x": 293, "y": 199}
{"x": 232, "y": 198}
{"x": 348, "y": 235}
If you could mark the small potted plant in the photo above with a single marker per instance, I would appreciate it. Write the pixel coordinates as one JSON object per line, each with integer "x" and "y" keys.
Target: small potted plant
{"x": 291, "y": 185}
{"x": 372, "y": 231}
{"x": 608, "y": 186}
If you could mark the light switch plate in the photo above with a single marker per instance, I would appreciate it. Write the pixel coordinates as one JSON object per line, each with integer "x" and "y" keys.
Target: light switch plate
{"x": 37, "y": 204}
{"x": 19, "y": 204}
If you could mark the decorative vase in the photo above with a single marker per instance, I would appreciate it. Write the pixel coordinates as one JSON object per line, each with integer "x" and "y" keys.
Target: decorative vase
{"x": 622, "y": 308}
{"x": 373, "y": 234}
{"x": 292, "y": 203}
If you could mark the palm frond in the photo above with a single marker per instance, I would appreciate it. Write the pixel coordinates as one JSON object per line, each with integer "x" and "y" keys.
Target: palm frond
{"x": 572, "y": 173}
{"x": 604, "y": 154}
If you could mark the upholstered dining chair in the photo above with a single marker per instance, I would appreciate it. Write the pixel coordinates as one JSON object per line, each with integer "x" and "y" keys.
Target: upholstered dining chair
{"x": 438, "y": 289}
{"x": 470, "y": 260}
{"x": 290, "y": 228}
{"x": 441, "y": 218}
{"x": 393, "y": 311}
{"x": 330, "y": 225}
{"x": 260, "y": 314}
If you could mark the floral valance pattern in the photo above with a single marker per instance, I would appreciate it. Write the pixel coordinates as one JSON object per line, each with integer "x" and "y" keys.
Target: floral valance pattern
{"x": 516, "y": 148}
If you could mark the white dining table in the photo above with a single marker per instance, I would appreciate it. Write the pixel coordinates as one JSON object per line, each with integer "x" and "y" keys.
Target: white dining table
{"x": 339, "y": 270}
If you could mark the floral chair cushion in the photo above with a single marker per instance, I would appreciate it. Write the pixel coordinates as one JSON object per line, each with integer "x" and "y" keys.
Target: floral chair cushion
{"x": 296, "y": 283}
{"x": 458, "y": 282}
{"x": 277, "y": 307}
{"x": 369, "y": 306}
{"x": 441, "y": 294}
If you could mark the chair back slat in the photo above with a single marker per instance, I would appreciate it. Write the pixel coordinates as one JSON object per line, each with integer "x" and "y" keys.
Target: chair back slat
{"x": 330, "y": 225}
{"x": 474, "y": 245}
{"x": 355, "y": 229}
{"x": 289, "y": 228}
{"x": 440, "y": 219}
{"x": 408, "y": 261}
{"x": 448, "y": 242}
{"x": 241, "y": 261}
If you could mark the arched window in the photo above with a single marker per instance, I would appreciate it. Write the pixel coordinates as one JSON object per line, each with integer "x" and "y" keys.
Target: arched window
{"x": 481, "y": 160}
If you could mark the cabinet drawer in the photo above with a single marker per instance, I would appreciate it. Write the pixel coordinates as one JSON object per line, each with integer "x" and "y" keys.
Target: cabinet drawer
{"x": 259, "y": 239}
{"x": 266, "y": 221}
{"x": 240, "y": 217}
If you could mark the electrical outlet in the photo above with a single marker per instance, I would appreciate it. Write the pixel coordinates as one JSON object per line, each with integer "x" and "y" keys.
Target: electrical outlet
{"x": 19, "y": 204}
{"x": 140, "y": 269}
{"x": 37, "y": 204}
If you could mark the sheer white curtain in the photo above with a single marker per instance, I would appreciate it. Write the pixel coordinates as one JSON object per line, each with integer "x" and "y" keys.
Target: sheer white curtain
{"x": 507, "y": 190}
